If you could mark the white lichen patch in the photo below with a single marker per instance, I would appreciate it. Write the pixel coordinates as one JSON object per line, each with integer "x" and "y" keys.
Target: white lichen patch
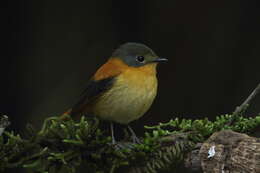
{"x": 211, "y": 152}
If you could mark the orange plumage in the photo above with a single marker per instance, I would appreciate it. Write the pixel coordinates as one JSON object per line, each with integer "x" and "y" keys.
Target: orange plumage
{"x": 114, "y": 66}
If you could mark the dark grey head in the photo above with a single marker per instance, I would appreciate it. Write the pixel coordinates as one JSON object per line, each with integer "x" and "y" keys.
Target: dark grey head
{"x": 136, "y": 54}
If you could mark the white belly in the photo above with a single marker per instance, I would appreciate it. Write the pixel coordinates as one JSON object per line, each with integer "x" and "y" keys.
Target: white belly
{"x": 126, "y": 101}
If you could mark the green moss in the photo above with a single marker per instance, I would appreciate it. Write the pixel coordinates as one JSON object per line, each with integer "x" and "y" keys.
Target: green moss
{"x": 63, "y": 146}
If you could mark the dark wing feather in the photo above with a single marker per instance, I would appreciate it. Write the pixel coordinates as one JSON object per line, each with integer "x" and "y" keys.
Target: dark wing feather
{"x": 93, "y": 90}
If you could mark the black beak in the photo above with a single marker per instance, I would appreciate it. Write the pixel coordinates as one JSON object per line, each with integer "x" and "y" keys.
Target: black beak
{"x": 160, "y": 60}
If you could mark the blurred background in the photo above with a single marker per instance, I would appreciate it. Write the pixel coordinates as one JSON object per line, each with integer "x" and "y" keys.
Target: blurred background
{"x": 51, "y": 48}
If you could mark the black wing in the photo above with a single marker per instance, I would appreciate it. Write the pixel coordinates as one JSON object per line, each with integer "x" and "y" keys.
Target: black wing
{"x": 92, "y": 91}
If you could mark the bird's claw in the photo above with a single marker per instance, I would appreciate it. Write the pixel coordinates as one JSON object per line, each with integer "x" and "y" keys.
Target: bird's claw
{"x": 119, "y": 146}
{"x": 136, "y": 140}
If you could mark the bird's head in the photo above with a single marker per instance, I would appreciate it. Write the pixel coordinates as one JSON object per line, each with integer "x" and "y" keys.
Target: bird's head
{"x": 137, "y": 55}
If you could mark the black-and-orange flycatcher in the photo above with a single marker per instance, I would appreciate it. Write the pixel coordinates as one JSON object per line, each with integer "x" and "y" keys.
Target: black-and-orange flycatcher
{"x": 122, "y": 89}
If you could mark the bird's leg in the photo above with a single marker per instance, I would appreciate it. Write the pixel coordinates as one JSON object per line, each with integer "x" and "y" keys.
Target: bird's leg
{"x": 117, "y": 146}
{"x": 112, "y": 133}
{"x": 134, "y": 137}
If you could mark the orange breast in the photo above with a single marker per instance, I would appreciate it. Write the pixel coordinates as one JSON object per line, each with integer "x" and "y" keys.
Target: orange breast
{"x": 131, "y": 95}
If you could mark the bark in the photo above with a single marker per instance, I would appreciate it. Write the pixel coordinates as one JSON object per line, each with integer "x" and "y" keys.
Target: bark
{"x": 234, "y": 153}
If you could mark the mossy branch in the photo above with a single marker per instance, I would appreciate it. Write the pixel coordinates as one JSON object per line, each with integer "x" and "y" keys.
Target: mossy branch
{"x": 64, "y": 146}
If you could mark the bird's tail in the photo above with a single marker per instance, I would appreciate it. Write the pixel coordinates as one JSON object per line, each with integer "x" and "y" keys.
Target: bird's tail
{"x": 66, "y": 115}
{"x": 71, "y": 114}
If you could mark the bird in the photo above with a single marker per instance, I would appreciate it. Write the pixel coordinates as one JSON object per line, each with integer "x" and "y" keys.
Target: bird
{"x": 122, "y": 89}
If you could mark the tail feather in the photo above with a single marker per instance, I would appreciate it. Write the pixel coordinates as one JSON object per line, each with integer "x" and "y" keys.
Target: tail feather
{"x": 65, "y": 115}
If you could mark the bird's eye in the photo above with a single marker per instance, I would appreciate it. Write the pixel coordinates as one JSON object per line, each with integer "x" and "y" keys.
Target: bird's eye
{"x": 140, "y": 58}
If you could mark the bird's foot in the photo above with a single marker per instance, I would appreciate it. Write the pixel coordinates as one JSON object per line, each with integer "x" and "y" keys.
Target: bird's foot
{"x": 136, "y": 140}
{"x": 121, "y": 146}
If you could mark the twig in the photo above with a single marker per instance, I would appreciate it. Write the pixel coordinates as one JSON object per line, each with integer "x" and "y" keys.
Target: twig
{"x": 240, "y": 109}
{"x": 247, "y": 101}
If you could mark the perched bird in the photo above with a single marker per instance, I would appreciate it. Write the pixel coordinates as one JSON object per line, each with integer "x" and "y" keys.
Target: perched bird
{"x": 123, "y": 88}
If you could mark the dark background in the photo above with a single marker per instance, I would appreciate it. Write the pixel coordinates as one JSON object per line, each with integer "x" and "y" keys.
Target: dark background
{"x": 51, "y": 48}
